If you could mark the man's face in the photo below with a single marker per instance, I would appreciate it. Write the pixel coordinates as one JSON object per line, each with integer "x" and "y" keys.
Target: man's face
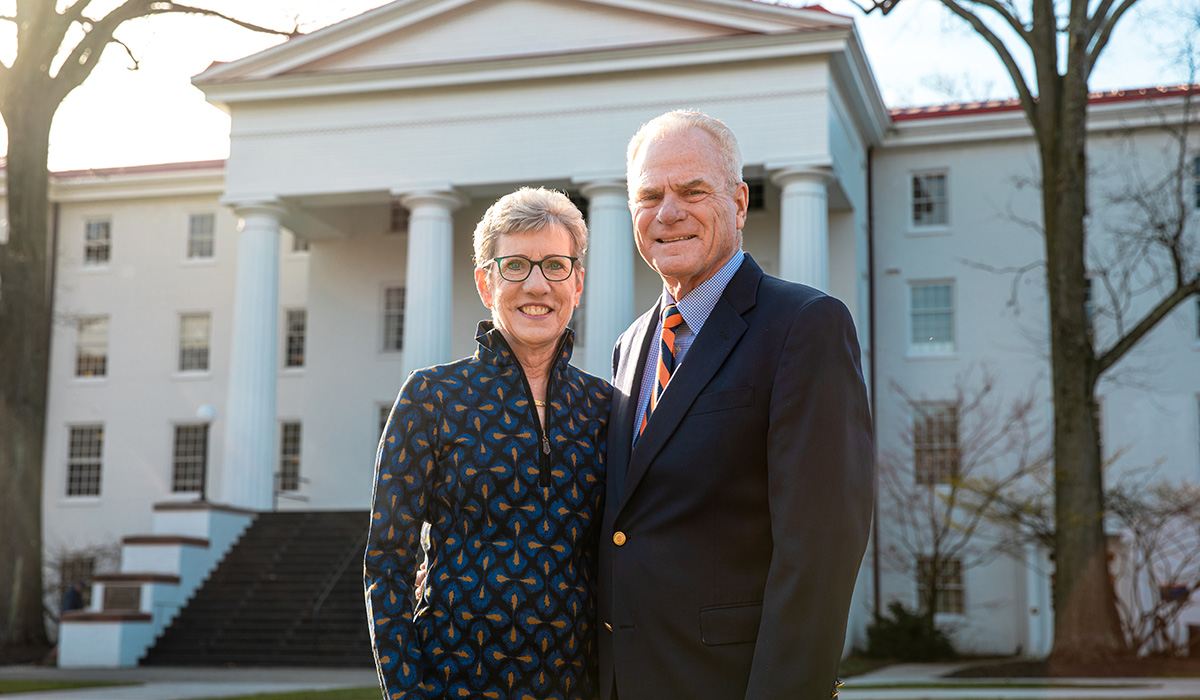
{"x": 687, "y": 219}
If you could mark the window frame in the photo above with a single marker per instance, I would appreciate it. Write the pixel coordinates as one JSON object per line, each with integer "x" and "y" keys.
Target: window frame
{"x": 80, "y": 343}
{"x": 77, "y": 462}
{"x": 931, "y": 465}
{"x": 192, "y": 238}
{"x": 184, "y": 347}
{"x": 288, "y": 478}
{"x": 95, "y": 246}
{"x": 957, "y": 585}
{"x": 386, "y": 314}
{"x": 919, "y": 228}
{"x": 181, "y": 464}
{"x": 288, "y": 338}
{"x": 939, "y": 348}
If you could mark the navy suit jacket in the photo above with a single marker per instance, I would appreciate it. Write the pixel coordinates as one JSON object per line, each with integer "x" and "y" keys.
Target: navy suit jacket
{"x": 733, "y": 531}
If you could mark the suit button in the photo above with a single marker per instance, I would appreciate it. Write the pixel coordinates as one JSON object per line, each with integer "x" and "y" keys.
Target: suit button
{"x": 608, "y": 627}
{"x": 619, "y": 538}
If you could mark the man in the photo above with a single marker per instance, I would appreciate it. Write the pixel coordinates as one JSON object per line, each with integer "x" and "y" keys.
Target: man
{"x": 739, "y": 451}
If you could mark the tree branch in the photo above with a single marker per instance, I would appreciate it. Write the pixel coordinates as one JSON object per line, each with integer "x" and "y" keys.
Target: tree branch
{"x": 1010, "y": 64}
{"x": 1100, "y": 28}
{"x": 1008, "y": 16}
{"x": 1148, "y": 322}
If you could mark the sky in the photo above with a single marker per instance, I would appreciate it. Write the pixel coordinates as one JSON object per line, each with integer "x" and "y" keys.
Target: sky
{"x": 920, "y": 54}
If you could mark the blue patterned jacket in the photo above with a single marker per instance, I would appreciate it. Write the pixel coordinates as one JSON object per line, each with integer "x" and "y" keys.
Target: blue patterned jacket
{"x": 510, "y": 610}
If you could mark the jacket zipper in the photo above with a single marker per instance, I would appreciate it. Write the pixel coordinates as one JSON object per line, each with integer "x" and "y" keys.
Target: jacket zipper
{"x": 544, "y": 466}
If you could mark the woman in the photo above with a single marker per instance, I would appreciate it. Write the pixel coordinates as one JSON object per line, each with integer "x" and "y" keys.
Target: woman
{"x": 502, "y": 454}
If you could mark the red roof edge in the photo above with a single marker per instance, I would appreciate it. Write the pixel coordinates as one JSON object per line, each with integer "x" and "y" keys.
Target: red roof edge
{"x": 1013, "y": 105}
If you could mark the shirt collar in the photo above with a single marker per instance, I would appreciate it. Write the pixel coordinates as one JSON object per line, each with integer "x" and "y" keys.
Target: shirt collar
{"x": 696, "y": 305}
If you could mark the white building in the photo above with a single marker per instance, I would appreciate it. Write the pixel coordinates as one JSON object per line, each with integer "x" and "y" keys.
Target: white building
{"x": 241, "y": 326}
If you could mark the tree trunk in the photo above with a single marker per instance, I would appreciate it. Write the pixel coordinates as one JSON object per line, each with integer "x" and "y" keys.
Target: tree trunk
{"x": 1086, "y": 624}
{"x": 25, "y": 323}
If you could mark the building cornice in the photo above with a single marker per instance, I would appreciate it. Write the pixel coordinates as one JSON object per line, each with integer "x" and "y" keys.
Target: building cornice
{"x": 708, "y": 51}
{"x": 139, "y": 182}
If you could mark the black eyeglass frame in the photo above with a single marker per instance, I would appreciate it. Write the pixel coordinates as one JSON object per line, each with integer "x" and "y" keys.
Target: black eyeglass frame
{"x": 535, "y": 263}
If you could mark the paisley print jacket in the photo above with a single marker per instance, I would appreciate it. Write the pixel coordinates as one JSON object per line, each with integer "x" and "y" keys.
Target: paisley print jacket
{"x": 510, "y": 610}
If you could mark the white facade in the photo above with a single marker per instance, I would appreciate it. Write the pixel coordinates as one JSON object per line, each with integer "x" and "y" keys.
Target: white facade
{"x": 380, "y": 141}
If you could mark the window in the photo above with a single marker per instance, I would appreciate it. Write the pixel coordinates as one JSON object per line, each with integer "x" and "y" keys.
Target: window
{"x": 299, "y": 245}
{"x": 289, "y": 457}
{"x": 84, "y": 460}
{"x": 76, "y": 568}
{"x": 949, "y": 584}
{"x": 194, "y": 342}
{"x": 297, "y": 320}
{"x": 191, "y": 458}
{"x": 97, "y": 244}
{"x": 929, "y": 204}
{"x": 201, "y": 236}
{"x": 91, "y": 347}
{"x": 931, "y": 318}
{"x": 393, "y": 319}
{"x": 935, "y": 442}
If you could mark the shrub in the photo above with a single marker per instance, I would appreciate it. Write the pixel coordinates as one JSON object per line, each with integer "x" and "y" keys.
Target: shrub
{"x": 907, "y": 636}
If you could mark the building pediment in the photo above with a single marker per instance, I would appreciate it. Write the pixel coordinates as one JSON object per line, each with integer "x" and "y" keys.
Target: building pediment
{"x": 420, "y": 34}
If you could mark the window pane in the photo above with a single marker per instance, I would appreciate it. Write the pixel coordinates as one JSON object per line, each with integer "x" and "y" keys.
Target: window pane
{"x": 97, "y": 246}
{"x": 297, "y": 320}
{"x": 201, "y": 235}
{"x": 84, "y": 460}
{"x": 289, "y": 457}
{"x": 935, "y": 443}
{"x": 191, "y": 458}
{"x": 949, "y": 582}
{"x": 393, "y": 319}
{"x": 193, "y": 342}
{"x": 929, "y": 200}
{"x": 91, "y": 347}
{"x": 932, "y": 317}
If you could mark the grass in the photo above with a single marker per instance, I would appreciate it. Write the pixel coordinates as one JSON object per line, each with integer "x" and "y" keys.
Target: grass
{"x": 9, "y": 687}
{"x": 996, "y": 685}
{"x": 369, "y": 692}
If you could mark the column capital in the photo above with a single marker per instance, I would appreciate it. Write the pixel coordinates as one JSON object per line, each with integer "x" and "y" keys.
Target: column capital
{"x": 602, "y": 187}
{"x": 441, "y": 196}
{"x": 789, "y": 174}
{"x": 265, "y": 206}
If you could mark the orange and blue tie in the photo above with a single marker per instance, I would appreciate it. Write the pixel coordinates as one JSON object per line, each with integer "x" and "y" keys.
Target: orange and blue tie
{"x": 672, "y": 321}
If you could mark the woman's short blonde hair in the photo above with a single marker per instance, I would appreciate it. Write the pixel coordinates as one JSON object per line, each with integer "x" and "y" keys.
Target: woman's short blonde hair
{"x": 528, "y": 210}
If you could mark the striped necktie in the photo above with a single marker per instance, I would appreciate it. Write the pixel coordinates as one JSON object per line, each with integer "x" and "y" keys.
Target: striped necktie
{"x": 672, "y": 321}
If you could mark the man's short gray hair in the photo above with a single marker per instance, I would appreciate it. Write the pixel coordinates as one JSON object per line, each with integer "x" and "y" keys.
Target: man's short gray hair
{"x": 682, "y": 120}
{"x": 528, "y": 210}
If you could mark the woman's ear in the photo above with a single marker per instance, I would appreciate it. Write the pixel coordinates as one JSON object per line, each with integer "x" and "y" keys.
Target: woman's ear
{"x": 578, "y": 285}
{"x": 481, "y": 285}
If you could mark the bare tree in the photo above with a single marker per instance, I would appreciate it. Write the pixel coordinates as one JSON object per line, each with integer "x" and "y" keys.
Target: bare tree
{"x": 960, "y": 460}
{"x": 1062, "y": 42}
{"x": 1158, "y": 565}
{"x": 57, "y": 49}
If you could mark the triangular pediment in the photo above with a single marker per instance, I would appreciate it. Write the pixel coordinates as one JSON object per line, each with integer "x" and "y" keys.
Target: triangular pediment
{"x": 446, "y": 32}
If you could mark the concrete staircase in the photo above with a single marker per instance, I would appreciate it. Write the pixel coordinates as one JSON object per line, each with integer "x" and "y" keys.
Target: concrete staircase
{"x": 289, "y": 593}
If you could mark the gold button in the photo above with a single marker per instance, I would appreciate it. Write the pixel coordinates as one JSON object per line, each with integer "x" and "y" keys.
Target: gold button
{"x": 618, "y": 538}
{"x": 608, "y": 627}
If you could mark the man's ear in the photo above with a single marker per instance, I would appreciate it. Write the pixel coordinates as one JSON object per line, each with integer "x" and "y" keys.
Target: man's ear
{"x": 741, "y": 198}
{"x": 481, "y": 285}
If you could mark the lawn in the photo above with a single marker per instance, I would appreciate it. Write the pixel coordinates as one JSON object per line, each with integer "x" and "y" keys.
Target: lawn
{"x": 10, "y": 687}
{"x": 370, "y": 692}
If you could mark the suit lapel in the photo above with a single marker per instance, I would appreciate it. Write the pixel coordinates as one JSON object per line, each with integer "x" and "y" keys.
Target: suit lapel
{"x": 626, "y": 386}
{"x": 720, "y": 334}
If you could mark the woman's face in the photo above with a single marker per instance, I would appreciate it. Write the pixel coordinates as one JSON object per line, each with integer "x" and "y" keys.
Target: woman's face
{"x": 531, "y": 314}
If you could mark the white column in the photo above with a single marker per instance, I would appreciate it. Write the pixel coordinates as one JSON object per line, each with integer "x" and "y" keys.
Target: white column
{"x": 608, "y": 283}
{"x": 803, "y": 226}
{"x": 429, "y": 291}
{"x": 248, "y": 467}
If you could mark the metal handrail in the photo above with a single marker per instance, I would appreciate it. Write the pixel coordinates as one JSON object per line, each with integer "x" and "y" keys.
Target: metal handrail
{"x": 357, "y": 552}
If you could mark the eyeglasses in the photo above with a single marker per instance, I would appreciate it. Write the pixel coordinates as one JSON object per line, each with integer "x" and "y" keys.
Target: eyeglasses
{"x": 516, "y": 268}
